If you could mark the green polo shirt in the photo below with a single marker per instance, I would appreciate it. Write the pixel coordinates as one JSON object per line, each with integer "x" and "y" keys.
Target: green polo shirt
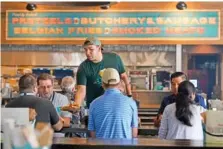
{"x": 88, "y": 74}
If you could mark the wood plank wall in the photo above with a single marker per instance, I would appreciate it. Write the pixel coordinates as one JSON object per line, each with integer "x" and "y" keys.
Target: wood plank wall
{"x": 119, "y": 6}
{"x": 221, "y": 76}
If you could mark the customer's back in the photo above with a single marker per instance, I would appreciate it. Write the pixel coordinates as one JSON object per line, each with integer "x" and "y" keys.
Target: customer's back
{"x": 44, "y": 108}
{"x": 178, "y": 130}
{"x": 113, "y": 115}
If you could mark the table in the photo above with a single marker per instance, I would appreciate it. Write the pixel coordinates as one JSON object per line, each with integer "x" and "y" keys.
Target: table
{"x": 143, "y": 130}
{"x": 138, "y": 143}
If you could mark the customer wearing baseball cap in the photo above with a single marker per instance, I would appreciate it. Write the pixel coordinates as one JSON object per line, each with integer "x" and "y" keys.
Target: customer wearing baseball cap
{"x": 89, "y": 74}
{"x": 113, "y": 115}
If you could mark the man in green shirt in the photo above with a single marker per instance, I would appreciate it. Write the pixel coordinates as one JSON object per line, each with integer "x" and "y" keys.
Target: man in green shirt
{"x": 90, "y": 71}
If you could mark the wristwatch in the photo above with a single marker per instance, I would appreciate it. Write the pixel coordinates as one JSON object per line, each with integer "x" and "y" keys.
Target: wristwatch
{"x": 129, "y": 95}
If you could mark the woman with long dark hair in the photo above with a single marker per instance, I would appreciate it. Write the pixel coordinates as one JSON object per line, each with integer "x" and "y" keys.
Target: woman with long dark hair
{"x": 182, "y": 119}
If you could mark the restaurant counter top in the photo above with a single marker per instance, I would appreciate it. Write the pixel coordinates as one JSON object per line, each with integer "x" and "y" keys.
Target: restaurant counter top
{"x": 139, "y": 143}
{"x": 142, "y": 130}
{"x": 167, "y": 91}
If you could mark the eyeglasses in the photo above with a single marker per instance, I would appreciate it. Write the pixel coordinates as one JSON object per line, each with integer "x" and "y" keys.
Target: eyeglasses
{"x": 48, "y": 87}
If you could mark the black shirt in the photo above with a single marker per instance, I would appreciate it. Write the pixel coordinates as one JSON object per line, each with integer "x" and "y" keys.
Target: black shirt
{"x": 44, "y": 108}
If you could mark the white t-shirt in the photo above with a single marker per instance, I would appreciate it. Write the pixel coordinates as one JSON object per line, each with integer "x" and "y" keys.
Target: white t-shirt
{"x": 172, "y": 128}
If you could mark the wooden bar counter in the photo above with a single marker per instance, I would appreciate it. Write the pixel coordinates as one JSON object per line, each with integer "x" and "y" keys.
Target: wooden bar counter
{"x": 139, "y": 143}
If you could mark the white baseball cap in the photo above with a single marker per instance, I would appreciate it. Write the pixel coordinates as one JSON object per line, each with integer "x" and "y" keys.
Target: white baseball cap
{"x": 110, "y": 76}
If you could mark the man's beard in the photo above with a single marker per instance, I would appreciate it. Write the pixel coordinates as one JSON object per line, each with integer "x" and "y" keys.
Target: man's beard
{"x": 46, "y": 96}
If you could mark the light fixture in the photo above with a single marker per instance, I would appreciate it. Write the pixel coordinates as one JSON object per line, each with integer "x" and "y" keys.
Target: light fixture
{"x": 31, "y": 6}
{"x": 105, "y": 6}
{"x": 181, "y": 6}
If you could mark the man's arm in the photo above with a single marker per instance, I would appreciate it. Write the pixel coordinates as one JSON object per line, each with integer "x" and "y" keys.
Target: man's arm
{"x": 125, "y": 79}
{"x": 135, "y": 121}
{"x": 81, "y": 85}
{"x": 80, "y": 94}
{"x": 56, "y": 121}
{"x": 66, "y": 116}
{"x": 66, "y": 122}
{"x": 58, "y": 126}
{"x": 47, "y": 113}
{"x": 134, "y": 132}
{"x": 204, "y": 117}
{"x": 79, "y": 97}
{"x": 91, "y": 124}
{"x": 32, "y": 114}
{"x": 157, "y": 119}
{"x": 92, "y": 134}
{"x": 124, "y": 76}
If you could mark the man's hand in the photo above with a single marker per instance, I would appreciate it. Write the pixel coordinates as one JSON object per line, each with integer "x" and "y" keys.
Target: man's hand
{"x": 71, "y": 108}
{"x": 157, "y": 121}
{"x": 32, "y": 114}
{"x": 61, "y": 119}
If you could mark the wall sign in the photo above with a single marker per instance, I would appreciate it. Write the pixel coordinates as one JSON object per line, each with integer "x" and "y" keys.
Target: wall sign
{"x": 113, "y": 25}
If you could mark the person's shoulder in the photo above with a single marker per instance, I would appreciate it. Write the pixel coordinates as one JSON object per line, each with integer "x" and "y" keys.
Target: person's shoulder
{"x": 110, "y": 54}
{"x": 95, "y": 103}
{"x": 199, "y": 97}
{"x": 132, "y": 102}
{"x": 170, "y": 96}
{"x": 97, "y": 100}
{"x": 43, "y": 102}
{"x": 45, "y": 105}
{"x": 197, "y": 109}
{"x": 31, "y": 98}
{"x": 128, "y": 100}
{"x": 83, "y": 64}
{"x": 12, "y": 103}
{"x": 60, "y": 96}
{"x": 36, "y": 99}
{"x": 171, "y": 106}
{"x": 167, "y": 98}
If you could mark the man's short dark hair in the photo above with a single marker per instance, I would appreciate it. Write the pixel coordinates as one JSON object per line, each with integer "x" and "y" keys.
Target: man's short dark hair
{"x": 27, "y": 83}
{"x": 87, "y": 42}
{"x": 178, "y": 74}
{"x": 45, "y": 76}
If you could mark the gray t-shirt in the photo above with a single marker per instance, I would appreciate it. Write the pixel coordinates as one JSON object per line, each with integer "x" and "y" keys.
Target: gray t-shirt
{"x": 44, "y": 108}
{"x": 172, "y": 128}
{"x": 60, "y": 100}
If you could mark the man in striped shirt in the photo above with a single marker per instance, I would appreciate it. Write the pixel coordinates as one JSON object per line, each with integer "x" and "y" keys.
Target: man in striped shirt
{"x": 113, "y": 115}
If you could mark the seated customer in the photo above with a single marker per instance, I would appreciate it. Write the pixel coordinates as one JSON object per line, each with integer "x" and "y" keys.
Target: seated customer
{"x": 68, "y": 86}
{"x": 113, "y": 115}
{"x": 45, "y": 89}
{"x": 176, "y": 79}
{"x": 27, "y": 99}
{"x": 182, "y": 119}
